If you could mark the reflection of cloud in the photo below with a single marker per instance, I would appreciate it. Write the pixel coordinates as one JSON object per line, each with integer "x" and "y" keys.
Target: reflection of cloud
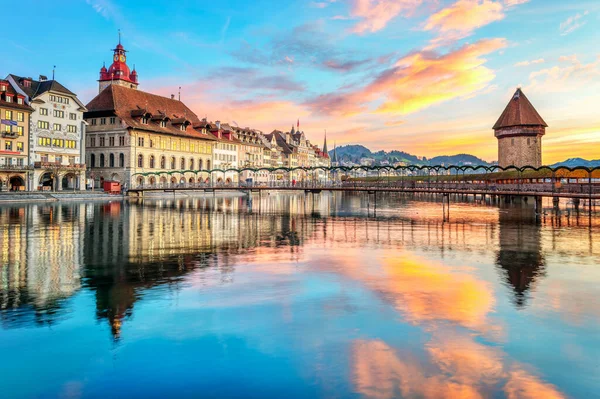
{"x": 522, "y": 385}
{"x": 428, "y": 292}
{"x": 464, "y": 370}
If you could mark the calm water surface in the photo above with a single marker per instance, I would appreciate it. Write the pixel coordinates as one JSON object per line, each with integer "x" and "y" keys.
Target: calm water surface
{"x": 298, "y": 297}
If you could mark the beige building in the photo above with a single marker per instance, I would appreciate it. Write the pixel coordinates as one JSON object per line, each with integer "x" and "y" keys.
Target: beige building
{"x": 143, "y": 139}
{"x": 15, "y": 117}
{"x": 139, "y": 138}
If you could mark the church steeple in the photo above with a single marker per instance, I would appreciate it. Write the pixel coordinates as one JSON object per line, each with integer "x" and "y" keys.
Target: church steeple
{"x": 118, "y": 73}
{"x": 325, "y": 143}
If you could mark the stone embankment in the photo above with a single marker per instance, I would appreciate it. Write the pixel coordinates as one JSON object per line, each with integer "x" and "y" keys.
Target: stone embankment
{"x": 57, "y": 196}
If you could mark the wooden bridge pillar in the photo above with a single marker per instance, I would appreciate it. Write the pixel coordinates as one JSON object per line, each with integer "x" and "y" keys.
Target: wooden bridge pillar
{"x": 556, "y": 202}
{"x": 538, "y": 204}
{"x": 576, "y": 202}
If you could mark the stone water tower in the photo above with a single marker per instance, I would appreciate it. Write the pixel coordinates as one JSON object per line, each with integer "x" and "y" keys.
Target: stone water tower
{"x": 519, "y": 131}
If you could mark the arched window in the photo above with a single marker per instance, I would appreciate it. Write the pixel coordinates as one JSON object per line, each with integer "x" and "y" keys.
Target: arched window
{"x": 121, "y": 160}
{"x": 152, "y": 161}
{"x": 93, "y": 160}
{"x": 163, "y": 162}
{"x": 111, "y": 160}
{"x": 140, "y": 161}
{"x": 172, "y": 162}
{"x": 200, "y": 164}
{"x": 101, "y": 160}
{"x": 191, "y": 163}
{"x": 208, "y": 165}
{"x": 182, "y": 163}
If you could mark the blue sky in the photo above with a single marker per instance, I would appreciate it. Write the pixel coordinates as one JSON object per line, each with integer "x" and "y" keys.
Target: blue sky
{"x": 426, "y": 76}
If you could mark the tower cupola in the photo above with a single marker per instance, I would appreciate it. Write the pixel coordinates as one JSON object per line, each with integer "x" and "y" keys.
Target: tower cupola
{"x": 118, "y": 73}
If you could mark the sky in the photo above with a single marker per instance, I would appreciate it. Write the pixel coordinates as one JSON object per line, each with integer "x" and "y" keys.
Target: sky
{"x": 429, "y": 77}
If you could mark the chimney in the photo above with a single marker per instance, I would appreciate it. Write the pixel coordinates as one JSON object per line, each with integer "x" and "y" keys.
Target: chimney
{"x": 43, "y": 78}
{"x": 218, "y": 123}
{"x": 172, "y": 96}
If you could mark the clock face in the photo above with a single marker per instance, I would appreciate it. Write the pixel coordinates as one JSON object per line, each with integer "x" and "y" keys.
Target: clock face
{"x": 116, "y": 58}
{"x": 122, "y": 58}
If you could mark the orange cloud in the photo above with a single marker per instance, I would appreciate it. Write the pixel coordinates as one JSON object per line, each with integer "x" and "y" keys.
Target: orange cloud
{"x": 418, "y": 81}
{"x": 375, "y": 14}
{"x": 461, "y": 18}
{"x": 422, "y": 80}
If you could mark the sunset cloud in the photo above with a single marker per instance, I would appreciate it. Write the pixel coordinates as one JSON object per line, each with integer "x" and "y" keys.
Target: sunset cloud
{"x": 460, "y": 19}
{"x": 417, "y": 81}
{"x": 374, "y": 15}
{"x": 564, "y": 78}
{"x": 527, "y": 63}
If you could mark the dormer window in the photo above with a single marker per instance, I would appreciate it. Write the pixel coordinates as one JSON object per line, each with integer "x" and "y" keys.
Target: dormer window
{"x": 2, "y": 87}
{"x": 145, "y": 120}
{"x": 9, "y": 99}
{"x": 182, "y": 127}
{"x": 163, "y": 123}
{"x": 19, "y": 101}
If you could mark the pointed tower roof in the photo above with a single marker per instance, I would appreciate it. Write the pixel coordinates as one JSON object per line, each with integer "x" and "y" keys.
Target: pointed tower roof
{"x": 325, "y": 143}
{"x": 334, "y": 158}
{"x": 519, "y": 112}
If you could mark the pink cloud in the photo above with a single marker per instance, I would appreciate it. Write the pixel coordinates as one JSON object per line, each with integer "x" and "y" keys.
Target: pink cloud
{"x": 374, "y": 15}
{"x": 460, "y": 19}
{"x": 417, "y": 81}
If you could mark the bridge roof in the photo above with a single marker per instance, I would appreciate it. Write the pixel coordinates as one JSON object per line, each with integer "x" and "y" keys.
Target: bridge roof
{"x": 519, "y": 112}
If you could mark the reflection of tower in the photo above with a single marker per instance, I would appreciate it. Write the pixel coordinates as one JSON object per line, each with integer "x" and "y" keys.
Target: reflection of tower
{"x": 520, "y": 257}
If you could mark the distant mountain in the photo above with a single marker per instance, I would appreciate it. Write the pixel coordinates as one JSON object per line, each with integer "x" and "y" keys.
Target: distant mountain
{"x": 355, "y": 152}
{"x": 572, "y": 162}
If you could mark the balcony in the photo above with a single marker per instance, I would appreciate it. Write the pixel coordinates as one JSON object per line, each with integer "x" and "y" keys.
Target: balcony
{"x": 59, "y": 165}
{"x": 13, "y": 167}
{"x": 10, "y": 135}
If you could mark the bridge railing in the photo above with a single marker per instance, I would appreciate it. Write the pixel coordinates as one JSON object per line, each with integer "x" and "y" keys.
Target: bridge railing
{"x": 545, "y": 187}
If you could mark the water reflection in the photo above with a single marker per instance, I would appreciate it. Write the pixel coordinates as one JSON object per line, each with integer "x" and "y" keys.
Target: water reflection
{"x": 397, "y": 303}
{"x": 520, "y": 256}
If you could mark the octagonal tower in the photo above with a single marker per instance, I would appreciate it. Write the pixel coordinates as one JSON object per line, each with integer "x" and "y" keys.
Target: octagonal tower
{"x": 519, "y": 131}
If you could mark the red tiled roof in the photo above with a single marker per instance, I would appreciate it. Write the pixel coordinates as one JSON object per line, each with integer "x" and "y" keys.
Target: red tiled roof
{"x": 130, "y": 104}
{"x": 13, "y": 104}
{"x": 519, "y": 112}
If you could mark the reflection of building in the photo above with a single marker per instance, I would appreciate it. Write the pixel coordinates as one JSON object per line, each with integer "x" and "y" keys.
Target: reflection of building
{"x": 41, "y": 256}
{"x": 519, "y": 131}
{"x": 520, "y": 256}
{"x": 57, "y": 130}
{"x": 14, "y": 143}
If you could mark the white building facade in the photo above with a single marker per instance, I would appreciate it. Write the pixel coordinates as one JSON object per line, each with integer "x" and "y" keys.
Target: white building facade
{"x": 57, "y": 131}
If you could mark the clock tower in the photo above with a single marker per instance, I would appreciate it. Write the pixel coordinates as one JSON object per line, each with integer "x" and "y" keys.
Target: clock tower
{"x": 118, "y": 73}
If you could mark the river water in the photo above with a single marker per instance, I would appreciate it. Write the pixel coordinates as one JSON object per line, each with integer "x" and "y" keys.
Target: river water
{"x": 331, "y": 296}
